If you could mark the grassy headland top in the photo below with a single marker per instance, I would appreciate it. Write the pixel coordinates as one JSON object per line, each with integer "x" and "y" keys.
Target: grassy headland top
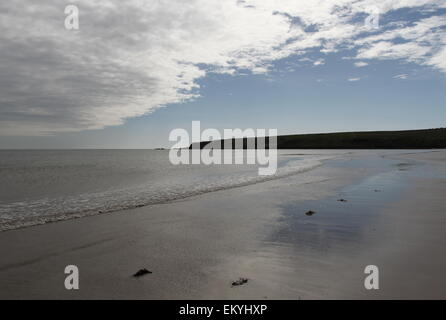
{"x": 408, "y": 139}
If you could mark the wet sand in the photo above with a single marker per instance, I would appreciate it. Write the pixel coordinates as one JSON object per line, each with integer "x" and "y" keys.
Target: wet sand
{"x": 394, "y": 217}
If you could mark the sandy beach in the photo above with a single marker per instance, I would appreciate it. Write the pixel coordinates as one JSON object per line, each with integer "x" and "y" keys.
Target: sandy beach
{"x": 394, "y": 217}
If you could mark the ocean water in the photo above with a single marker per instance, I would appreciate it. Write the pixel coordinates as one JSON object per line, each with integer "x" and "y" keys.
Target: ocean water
{"x": 40, "y": 186}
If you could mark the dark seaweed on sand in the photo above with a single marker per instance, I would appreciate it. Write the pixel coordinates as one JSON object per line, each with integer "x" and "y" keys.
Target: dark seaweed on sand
{"x": 239, "y": 282}
{"x": 141, "y": 272}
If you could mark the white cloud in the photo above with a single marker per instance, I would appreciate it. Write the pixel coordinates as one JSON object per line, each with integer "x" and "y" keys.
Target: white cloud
{"x": 438, "y": 60}
{"x": 401, "y": 76}
{"x": 131, "y": 57}
{"x": 361, "y": 64}
{"x": 354, "y": 79}
{"x": 416, "y": 42}
{"x": 384, "y": 50}
{"x": 319, "y": 62}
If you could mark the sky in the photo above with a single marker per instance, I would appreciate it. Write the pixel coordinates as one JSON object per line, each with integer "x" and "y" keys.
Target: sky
{"x": 135, "y": 70}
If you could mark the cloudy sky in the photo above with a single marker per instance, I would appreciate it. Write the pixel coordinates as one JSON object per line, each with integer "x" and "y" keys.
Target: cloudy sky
{"x": 136, "y": 69}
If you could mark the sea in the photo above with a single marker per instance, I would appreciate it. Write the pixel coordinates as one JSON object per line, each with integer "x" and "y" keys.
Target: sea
{"x": 41, "y": 186}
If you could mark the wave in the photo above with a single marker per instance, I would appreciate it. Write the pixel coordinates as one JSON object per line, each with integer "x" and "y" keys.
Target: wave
{"x": 35, "y": 212}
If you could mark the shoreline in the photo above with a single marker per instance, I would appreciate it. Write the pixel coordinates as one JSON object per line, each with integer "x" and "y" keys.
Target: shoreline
{"x": 163, "y": 197}
{"x": 197, "y": 246}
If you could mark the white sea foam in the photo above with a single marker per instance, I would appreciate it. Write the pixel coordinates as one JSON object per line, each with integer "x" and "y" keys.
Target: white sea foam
{"x": 162, "y": 185}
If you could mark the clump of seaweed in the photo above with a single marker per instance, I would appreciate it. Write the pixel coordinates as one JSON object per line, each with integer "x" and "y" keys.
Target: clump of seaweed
{"x": 141, "y": 273}
{"x": 239, "y": 282}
